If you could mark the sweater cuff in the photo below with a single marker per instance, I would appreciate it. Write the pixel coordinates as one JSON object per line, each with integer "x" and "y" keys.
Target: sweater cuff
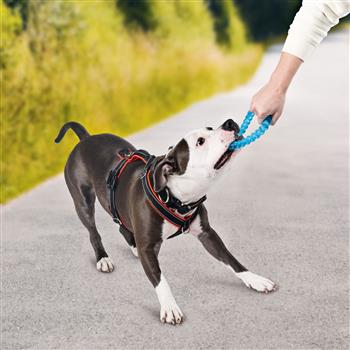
{"x": 298, "y": 48}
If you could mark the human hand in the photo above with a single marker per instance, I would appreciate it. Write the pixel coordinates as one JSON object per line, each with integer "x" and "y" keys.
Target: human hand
{"x": 269, "y": 100}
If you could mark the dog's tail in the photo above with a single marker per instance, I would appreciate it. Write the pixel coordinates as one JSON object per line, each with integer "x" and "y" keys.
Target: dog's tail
{"x": 76, "y": 127}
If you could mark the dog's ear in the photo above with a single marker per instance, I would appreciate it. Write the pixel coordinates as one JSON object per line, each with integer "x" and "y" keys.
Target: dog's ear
{"x": 175, "y": 162}
{"x": 161, "y": 172}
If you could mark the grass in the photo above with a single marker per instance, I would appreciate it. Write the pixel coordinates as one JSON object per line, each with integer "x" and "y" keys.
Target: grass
{"x": 71, "y": 65}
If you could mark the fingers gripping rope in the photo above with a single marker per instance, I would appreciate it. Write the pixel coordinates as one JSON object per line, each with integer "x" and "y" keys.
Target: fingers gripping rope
{"x": 252, "y": 137}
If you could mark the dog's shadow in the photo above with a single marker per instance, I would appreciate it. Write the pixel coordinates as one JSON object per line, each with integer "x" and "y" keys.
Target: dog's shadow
{"x": 230, "y": 282}
{"x": 122, "y": 253}
{"x": 153, "y": 311}
{"x": 222, "y": 280}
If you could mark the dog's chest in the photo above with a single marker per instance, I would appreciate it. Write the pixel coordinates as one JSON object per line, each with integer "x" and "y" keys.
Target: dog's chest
{"x": 168, "y": 229}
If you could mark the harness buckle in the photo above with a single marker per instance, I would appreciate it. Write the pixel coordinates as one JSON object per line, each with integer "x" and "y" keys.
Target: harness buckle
{"x": 167, "y": 196}
{"x": 117, "y": 220}
{"x": 145, "y": 169}
{"x": 126, "y": 153}
{"x": 143, "y": 173}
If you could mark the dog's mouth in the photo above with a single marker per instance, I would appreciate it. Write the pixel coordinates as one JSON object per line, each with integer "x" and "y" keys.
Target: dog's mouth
{"x": 226, "y": 156}
{"x": 223, "y": 159}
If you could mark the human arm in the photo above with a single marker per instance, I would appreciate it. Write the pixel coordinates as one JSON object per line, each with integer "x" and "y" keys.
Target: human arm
{"x": 310, "y": 25}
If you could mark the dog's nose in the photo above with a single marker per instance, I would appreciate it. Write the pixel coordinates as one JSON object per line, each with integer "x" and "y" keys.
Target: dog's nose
{"x": 230, "y": 125}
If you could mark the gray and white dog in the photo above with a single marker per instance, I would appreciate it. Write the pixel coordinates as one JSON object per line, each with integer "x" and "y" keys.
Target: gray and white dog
{"x": 188, "y": 170}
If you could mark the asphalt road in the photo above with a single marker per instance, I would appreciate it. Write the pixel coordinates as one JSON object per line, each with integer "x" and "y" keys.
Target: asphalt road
{"x": 283, "y": 212}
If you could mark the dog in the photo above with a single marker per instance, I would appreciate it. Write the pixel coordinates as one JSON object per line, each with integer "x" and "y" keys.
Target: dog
{"x": 186, "y": 172}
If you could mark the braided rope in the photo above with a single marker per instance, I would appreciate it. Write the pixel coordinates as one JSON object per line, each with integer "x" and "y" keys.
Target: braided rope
{"x": 252, "y": 137}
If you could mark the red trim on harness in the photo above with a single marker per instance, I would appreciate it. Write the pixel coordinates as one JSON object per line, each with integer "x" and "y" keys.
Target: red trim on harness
{"x": 133, "y": 158}
{"x": 161, "y": 213}
{"x": 184, "y": 218}
{"x": 130, "y": 160}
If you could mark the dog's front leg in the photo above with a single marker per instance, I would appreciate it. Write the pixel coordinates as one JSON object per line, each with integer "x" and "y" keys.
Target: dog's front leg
{"x": 169, "y": 310}
{"x": 216, "y": 247}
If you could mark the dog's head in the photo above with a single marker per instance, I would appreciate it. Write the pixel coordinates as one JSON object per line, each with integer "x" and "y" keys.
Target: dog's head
{"x": 189, "y": 168}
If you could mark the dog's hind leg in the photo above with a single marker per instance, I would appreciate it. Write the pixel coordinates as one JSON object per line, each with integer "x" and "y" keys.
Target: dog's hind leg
{"x": 130, "y": 239}
{"x": 84, "y": 197}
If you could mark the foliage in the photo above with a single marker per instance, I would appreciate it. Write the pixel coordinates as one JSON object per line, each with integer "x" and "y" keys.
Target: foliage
{"x": 70, "y": 65}
{"x": 22, "y": 6}
{"x": 268, "y": 18}
{"x": 137, "y": 13}
{"x": 221, "y": 19}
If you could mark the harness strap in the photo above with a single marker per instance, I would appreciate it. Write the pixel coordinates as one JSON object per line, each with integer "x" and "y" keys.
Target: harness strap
{"x": 111, "y": 185}
{"x": 127, "y": 157}
{"x": 183, "y": 223}
{"x": 186, "y": 226}
{"x": 164, "y": 207}
{"x": 175, "y": 203}
{"x": 157, "y": 205}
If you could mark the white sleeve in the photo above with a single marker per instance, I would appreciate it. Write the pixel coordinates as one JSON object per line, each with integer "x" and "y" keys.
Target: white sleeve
{"x": 312, "y": 23}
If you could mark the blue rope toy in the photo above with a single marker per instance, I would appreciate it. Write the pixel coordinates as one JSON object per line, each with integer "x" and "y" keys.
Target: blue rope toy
{"x": 252, "y": 137}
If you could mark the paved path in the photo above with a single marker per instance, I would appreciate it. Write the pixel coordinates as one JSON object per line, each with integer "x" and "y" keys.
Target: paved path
{"x": 283, "y": 212}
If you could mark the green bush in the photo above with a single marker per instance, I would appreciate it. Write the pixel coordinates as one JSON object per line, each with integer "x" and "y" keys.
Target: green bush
{"x": 78, "y": 61}
{"x": 22, "y": 7}
{"x": 268, "y": 18}
{"x": 221, "y": 19}
{"x": 137, "y": 13}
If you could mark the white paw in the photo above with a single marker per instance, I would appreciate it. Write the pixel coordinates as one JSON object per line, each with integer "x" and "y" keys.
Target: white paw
{"x": 171, "y": 314}
{"x": 259, "y": 283}
{"x": 169, "y": 311}
{"x": 134, "y": 251}
{"x": 105, "y": 265}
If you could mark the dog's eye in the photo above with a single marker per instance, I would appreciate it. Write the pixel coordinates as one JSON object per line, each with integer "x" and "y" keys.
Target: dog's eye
{"x": 200, "y": 141}
{"x": 209, "y": 128}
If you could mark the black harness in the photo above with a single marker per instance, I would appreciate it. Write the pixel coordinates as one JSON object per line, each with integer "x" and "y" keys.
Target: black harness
{"x": 164, "y": 203}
